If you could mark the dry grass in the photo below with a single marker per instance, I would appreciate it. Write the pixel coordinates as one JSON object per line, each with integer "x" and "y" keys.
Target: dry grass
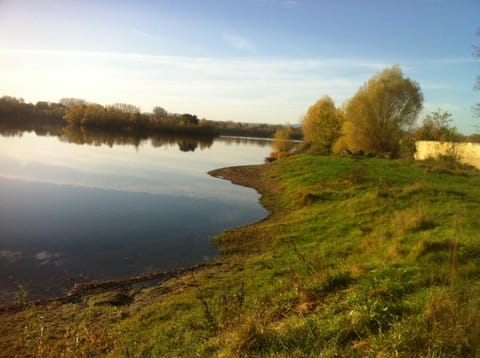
{"x": 411, "y": 220}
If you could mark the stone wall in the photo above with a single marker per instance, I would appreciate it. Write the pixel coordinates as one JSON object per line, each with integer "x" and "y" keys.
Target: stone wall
{"x": 468, "y": 153}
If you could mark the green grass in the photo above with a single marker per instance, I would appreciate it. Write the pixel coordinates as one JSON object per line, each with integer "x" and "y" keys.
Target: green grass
{"x": 360, "y": 257}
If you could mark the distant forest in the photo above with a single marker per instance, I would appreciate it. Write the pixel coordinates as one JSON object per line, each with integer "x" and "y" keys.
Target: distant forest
{"x": 120, "y": 118}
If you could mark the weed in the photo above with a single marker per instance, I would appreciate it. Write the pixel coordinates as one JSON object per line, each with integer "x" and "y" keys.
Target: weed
{"x": 207, "y": 312}
{"x": 313, "y": 270}
{"x": 21, "y": 295}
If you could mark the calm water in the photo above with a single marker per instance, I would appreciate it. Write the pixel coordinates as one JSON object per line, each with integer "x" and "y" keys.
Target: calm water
{"x": 115, "y": 207}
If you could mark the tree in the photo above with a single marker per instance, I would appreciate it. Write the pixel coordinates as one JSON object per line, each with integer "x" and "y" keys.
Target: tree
{"x": 75, "y": 113}
{"x": 160, "y": 112}
{"x": 380, "y": 110}
{"x": 282, "y": 142}
{"x": 437, "y": 126}
{"x": 322, "y": 124}
{"x": 42, "y": 105}
{"x": 188, "y": 119}
{"x": 126, "y": 108}
{"x": 69, "y": 102}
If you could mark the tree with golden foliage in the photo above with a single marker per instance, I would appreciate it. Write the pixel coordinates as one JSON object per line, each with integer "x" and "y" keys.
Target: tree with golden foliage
{"x": 322, "y": 125}
{"x": 380, "y": 110}
{"x": 282, "y": 143}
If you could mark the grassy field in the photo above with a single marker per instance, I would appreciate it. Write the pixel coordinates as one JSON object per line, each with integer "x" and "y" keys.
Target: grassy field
{"x": 359, "y": 257}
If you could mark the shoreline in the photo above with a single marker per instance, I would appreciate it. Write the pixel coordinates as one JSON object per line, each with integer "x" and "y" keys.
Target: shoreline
{"x": 95, "y": 287}
{"x": 245, "y": 175}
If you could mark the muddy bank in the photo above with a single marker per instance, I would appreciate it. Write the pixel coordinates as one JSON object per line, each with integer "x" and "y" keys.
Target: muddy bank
{"x": 249, "y": 176}
{"x": 262, "y": 178}
{"x": 119, "y": 288}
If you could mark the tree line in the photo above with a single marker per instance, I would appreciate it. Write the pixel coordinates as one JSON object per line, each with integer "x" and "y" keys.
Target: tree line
{"x": 14, "y": 112}
{"x": 128, "y": 117}
{"x": 380, "y": 118}
{"x": 258, "y": 130}
{"x": 78, "y": 112}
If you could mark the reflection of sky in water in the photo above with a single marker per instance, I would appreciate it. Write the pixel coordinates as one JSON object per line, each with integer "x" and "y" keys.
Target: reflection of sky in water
{"x": 145, "y": 169}
{"x": 161, "y": 214}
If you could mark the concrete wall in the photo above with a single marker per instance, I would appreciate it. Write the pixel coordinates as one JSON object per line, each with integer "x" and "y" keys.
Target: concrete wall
{"x": 468, "y": 153}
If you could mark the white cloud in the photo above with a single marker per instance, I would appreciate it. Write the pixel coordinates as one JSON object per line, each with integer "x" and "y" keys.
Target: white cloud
{"x": 10, "y": 256}
{"x": 44, "y": 257}
{"x": 239, "y": 42}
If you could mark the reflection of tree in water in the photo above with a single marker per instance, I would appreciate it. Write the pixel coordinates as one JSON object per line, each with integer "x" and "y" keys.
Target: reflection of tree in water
{"x": 111, "y": 137}
{"x": 186, "y": 145}
{"x": 261, "y": 142}
{"x": 7, "y": 129}
{"x": 99, "y": 136}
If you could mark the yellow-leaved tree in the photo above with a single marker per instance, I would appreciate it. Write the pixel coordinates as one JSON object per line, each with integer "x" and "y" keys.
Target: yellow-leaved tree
{"x": 380, "y": 110}
{"x": 282, "y": 143}
{"x": 322, "y": 125}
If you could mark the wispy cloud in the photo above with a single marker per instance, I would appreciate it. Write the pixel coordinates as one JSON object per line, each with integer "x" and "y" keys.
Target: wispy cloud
{"x": 289, "y": 3}
{"x": 142, "y": 33}
{"x": 239, "y": 42}
{"x": 285, "y": 3}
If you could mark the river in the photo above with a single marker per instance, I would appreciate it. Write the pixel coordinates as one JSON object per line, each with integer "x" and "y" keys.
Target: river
{"x": 91, "y": 206}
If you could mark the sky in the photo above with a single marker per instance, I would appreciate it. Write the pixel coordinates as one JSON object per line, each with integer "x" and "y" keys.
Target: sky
{"x": 243, "y": 60}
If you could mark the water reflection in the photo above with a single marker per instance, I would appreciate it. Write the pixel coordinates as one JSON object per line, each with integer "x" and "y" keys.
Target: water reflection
{"x": 17, "y": 129}
{"x": 110, "y": 137}
{"x": 240, "y": 141}
{"x": 60, "y": 220}
{"x": 100, "y": 136}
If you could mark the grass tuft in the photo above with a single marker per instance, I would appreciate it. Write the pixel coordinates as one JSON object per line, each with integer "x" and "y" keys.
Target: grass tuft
{"x": 425, "y": 247}
{"x": 410, "y": 221}
{"x": 448, "y": 164}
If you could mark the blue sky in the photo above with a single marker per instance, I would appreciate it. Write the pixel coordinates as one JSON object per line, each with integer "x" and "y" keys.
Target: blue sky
{"x": 242, "y": 60}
